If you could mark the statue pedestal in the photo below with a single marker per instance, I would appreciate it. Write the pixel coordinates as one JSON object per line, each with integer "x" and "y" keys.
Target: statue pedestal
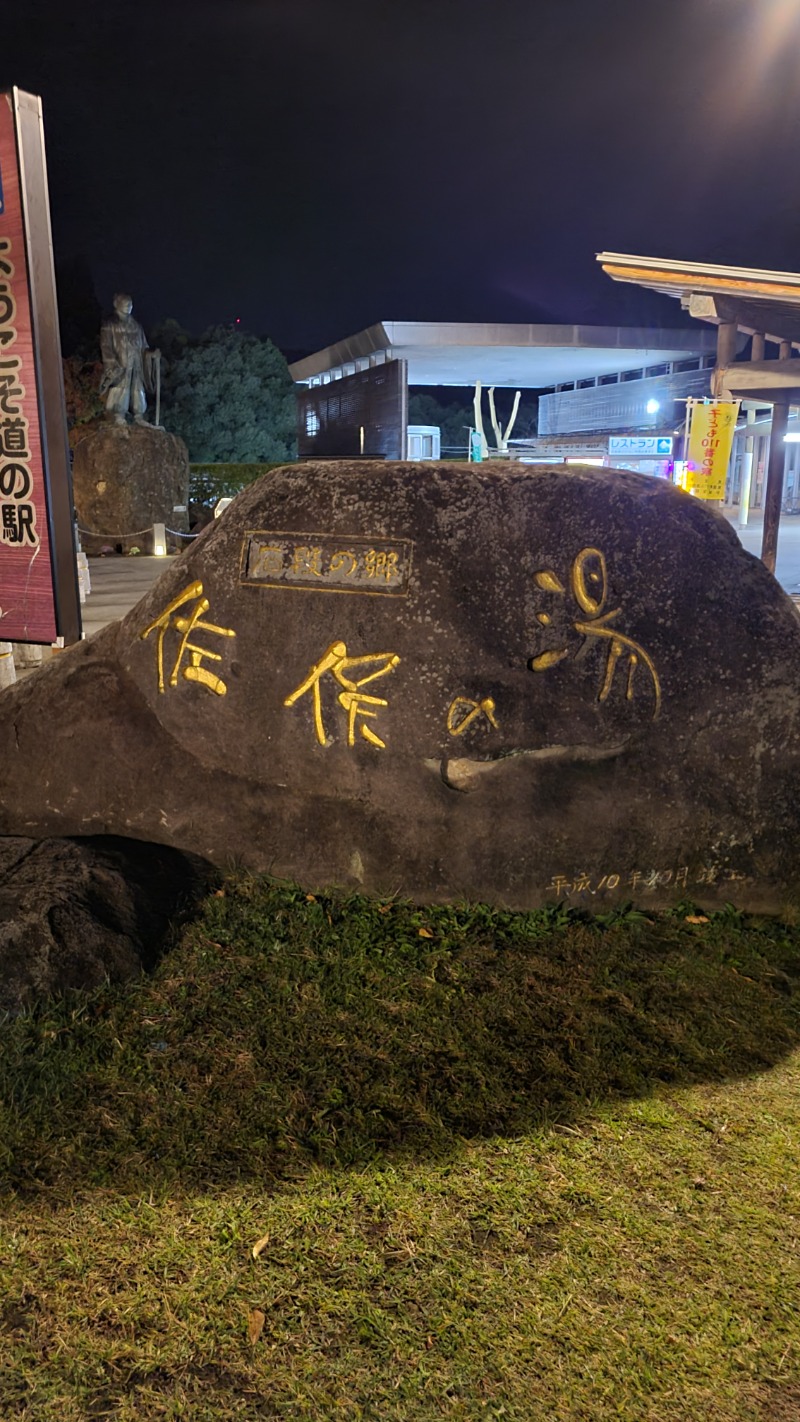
{"x": 125, "y": 479}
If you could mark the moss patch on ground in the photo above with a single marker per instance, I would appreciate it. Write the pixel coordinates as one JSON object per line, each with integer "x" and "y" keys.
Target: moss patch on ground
{"x": 498, "y": 1165}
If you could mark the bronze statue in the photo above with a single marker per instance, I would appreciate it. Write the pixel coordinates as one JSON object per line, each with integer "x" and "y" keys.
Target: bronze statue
{"x": 129, "y": 367}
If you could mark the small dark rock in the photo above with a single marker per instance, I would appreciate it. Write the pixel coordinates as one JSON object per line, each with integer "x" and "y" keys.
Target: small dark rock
{"x": 75, "y": 913}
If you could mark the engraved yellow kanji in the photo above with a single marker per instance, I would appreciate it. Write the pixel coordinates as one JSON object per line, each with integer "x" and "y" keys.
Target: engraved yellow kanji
{"x": 381, "y": 565}
{"x": 351, "y": 698}
{"x": 589, "y": 586}
{"x": 186, "y": 625}
{"x": 307, "y": 562}
{"x": 462, "y": 713}
{"x": 559, "y": 885}
{"x": 268, "y": 561}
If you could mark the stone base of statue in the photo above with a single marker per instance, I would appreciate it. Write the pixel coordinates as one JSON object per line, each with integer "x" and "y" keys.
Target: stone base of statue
{"x": 126, "y": 478}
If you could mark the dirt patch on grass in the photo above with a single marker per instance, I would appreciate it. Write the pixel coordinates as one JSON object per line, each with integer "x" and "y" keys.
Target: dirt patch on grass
{"x": 778, "y": 1402}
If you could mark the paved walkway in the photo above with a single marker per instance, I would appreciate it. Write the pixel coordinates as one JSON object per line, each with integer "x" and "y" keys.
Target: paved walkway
{"x": 788, "y": 566}
{"x": 117, "y": 585}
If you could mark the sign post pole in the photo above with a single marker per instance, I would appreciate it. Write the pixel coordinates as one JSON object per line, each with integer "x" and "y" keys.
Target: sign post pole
{"x": 747, "y": 471}
{"x": 773, "y": 497}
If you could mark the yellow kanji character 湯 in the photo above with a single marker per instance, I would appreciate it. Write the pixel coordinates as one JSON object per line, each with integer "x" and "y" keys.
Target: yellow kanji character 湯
{"x": 589, "y": 586}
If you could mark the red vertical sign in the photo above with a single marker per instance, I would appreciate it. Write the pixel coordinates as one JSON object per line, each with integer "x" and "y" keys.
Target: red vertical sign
{"x": 28, "y": 567}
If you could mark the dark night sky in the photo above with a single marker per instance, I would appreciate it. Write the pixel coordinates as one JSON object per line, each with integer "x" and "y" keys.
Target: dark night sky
{"x": 312, "y": 166}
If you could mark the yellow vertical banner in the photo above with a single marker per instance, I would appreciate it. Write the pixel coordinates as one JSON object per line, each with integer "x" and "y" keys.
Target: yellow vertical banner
{"x": 712, "y": 424}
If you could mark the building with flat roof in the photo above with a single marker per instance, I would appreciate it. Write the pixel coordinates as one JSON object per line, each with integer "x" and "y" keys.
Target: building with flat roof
{"x": 592, "y": 380}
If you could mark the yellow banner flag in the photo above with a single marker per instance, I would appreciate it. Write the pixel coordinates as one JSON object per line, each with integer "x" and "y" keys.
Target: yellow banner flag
{"x": 712, "y": 424}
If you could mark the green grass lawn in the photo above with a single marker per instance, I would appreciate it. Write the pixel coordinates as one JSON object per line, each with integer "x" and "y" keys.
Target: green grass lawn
{"x": 493, "y": 1166}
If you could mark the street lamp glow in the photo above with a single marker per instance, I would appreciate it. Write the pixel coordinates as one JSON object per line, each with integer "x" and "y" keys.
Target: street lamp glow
{"x": 653, "y": 407}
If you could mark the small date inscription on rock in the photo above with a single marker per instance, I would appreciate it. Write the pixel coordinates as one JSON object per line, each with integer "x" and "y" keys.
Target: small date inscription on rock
{"x": 324, "y": 562}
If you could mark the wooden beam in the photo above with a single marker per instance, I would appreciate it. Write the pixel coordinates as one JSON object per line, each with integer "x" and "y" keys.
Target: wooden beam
{"x": 754, "y": 317}
{"x": 772, "y": 308}
{"x": 765, "y": 380}
{"x": 694, "y": 281}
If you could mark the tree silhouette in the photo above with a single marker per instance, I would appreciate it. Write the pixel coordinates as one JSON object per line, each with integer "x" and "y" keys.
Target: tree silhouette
{"x": 228, "y": 394}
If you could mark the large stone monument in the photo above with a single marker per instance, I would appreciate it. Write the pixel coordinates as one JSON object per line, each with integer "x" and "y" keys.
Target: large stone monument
{"x": 129, "y": 474}
{"x": 491, "y": 683}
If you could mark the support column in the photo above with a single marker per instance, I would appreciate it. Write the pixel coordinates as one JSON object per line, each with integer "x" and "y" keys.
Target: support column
{"x": 747, "y": 470}
{"x": 403, "y": 410}
{"x": 773, "y": 498}
{"x": 726, "y": 342}
{"x": 757, "y": 352}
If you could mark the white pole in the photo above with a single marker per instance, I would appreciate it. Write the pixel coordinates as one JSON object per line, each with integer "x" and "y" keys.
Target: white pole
{"x": 8, "y": 672}
{"x": 747, "y": 470}
{"x": 476, "y": 405}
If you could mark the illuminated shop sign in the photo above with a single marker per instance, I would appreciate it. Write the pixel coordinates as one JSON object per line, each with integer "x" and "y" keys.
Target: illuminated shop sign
{"x": 641, "y": 446}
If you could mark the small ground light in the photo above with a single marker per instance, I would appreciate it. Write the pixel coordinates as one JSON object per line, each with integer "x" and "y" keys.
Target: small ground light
{"x": 653, "y": 407}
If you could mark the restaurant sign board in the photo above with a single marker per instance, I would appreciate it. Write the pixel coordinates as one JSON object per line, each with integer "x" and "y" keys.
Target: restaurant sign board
{"x": 640, "y": 446}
